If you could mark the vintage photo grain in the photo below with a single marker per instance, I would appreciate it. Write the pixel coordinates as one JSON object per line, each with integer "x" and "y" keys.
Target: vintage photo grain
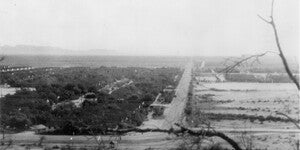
{"x": 149, "y": 74}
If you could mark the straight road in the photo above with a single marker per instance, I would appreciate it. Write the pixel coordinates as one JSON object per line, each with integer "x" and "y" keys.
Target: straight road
{"x": 174, "y": 111}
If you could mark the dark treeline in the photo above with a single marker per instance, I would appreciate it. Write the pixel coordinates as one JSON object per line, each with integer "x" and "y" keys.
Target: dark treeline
{"x": 126, "y": 106}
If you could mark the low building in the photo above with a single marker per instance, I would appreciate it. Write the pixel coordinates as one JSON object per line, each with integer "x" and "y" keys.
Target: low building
{"x": 157, "y": 109}
{"x": 169, "y": 88}
{"x": 39, "y": 128}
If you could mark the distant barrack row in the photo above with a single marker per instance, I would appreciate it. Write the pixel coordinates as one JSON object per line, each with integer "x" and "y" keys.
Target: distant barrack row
{"x": 14, "y": 68}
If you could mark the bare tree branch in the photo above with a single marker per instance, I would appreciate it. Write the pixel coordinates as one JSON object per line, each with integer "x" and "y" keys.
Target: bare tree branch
{"x": 290, "y": 119}
{"x": 281, "y": 54}
{"x": 182, "y": 130}
{"x": 208, "y": 132}
{"x": 265, "y": 20}
{"x": 240, "y": 62}
{"x": 284, "y": 61}
{"x": 272, "y": 8}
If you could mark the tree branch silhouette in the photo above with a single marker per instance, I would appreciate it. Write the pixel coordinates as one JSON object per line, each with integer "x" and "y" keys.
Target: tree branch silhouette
{"x": 182, "y": 130}
{"x": 281, "y": 54}
{"x": 295, "y": 122}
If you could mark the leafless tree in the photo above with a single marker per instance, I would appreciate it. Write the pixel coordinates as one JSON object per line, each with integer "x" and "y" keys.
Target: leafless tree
{"x": 294, "y": 121}
{"x": 241, "y": 61}
{"x": 281, "y": 54}
{"x": 237, "y": 62}
{"x": 182, "y": 130}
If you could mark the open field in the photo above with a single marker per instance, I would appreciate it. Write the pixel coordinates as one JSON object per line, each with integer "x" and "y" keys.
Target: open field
{"x": 250, "y": 98}
{"x": 249, "y": 107}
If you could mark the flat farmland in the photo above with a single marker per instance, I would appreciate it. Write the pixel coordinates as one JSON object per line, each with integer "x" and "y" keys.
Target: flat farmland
{"x": 248, "y": 111}
{"x": 249, "y": 98}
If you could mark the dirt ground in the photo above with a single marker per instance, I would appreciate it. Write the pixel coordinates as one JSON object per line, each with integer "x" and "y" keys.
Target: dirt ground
{"x": 250, "y": 99}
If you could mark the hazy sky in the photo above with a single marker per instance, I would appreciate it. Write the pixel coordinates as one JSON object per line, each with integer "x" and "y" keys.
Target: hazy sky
{"x": 151, "y": 27}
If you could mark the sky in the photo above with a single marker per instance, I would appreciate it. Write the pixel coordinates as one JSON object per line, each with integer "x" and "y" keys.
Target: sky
{"x": 151, "y": 27}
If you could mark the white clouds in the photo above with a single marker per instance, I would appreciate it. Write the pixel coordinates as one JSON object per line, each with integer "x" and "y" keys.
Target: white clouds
{"x": 142, "y": 27}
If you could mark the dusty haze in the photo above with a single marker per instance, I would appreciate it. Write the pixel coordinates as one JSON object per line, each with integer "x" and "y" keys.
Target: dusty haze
{"x": 156, "y": 27}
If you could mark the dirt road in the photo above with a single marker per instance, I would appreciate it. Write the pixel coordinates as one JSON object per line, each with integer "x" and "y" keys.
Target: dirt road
{"x": 174, "y": 111}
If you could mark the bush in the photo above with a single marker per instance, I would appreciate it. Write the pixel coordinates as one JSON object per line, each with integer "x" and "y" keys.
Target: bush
{"x": 19, "y": 121}
{"x": 188, "y": 110}
{"x": 147, "y": 98}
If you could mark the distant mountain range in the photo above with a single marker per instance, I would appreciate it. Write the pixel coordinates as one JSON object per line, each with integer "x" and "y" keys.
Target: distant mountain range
{"x": 55, "y": 51}
{"x": 48, "y": 50}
